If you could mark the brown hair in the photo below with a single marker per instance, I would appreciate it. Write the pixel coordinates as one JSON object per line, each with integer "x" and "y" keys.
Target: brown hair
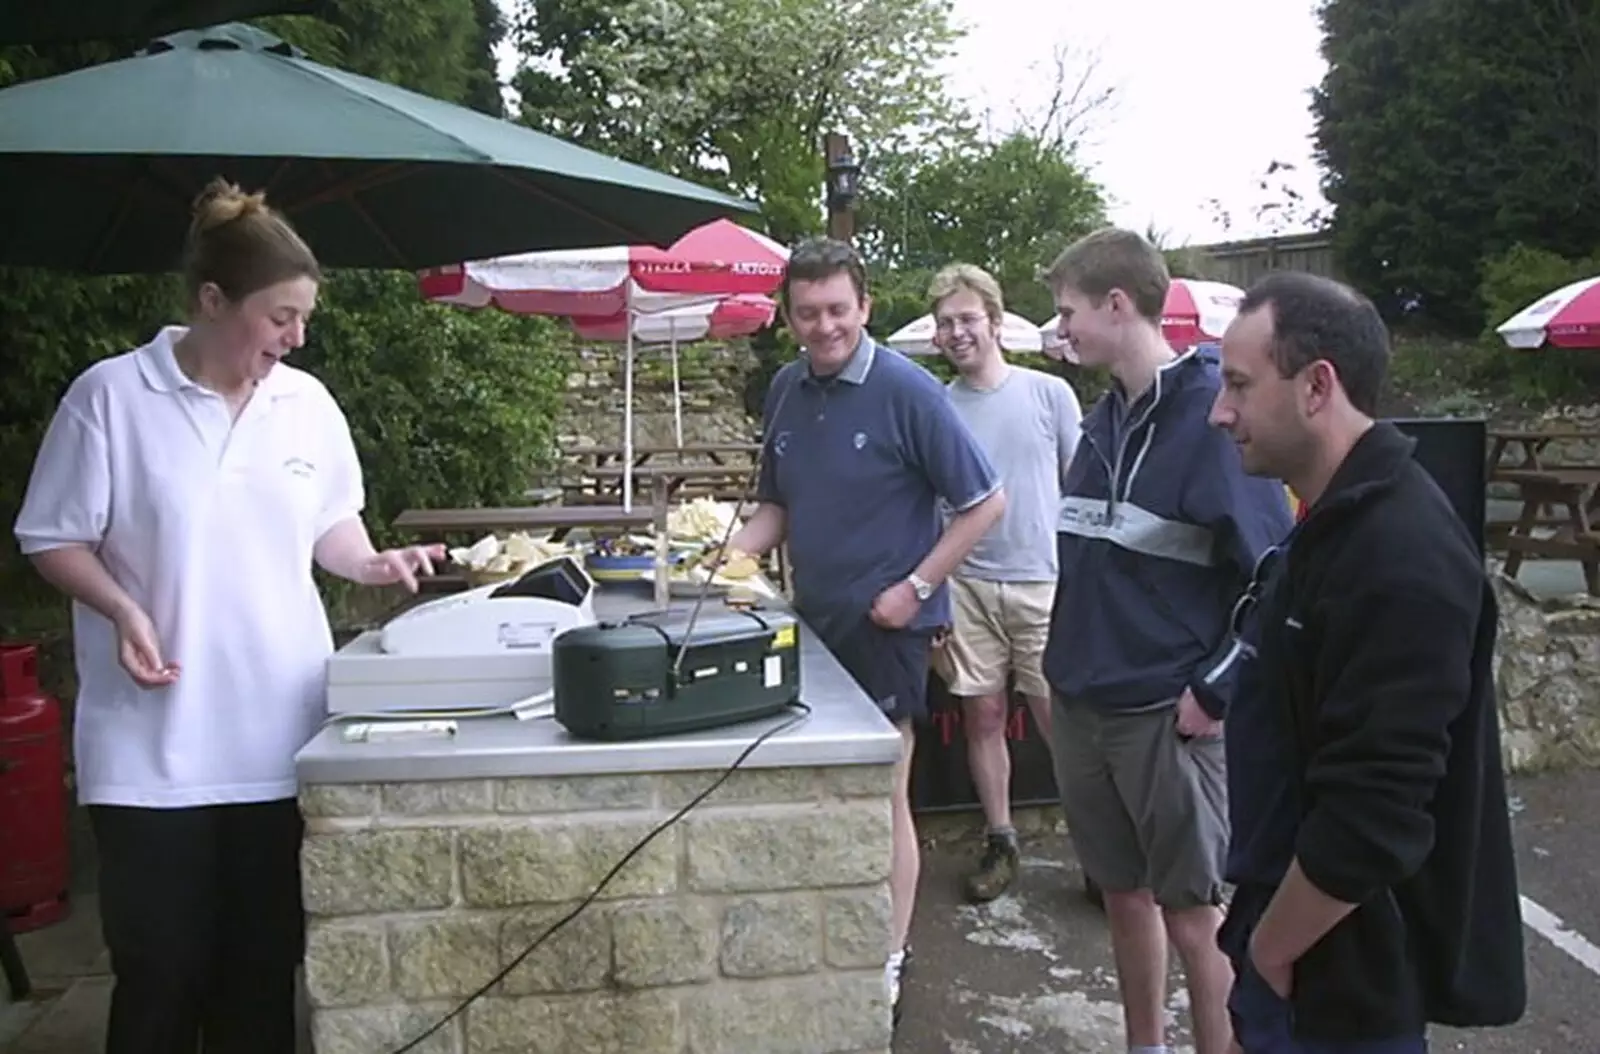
{"x": 1113, "y": 258}
{"x": 969, "y": 278}
{"x": 817, "y": 259}
{"x": 240, "y": 244}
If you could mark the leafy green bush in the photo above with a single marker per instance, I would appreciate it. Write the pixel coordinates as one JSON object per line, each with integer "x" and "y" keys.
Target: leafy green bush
{"x": 448, "y": 407}
{"x": 1521, "y": 275}
{"x": 52, "y": 327}
{"x": 1511, "y": 281}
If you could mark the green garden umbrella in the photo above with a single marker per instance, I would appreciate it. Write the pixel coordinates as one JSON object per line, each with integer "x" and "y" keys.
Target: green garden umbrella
{"x": 99, "y": 166}
{"x": 46, "y": 22}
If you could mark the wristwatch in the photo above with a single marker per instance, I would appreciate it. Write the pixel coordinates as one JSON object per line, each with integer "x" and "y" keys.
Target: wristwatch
{"x": 923, "y": 589}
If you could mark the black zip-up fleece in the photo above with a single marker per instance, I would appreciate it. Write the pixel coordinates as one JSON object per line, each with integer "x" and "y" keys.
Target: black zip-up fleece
{"x": 1371, "y": 704}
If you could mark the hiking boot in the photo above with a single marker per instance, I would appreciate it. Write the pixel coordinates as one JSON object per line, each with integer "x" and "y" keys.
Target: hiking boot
{"x": 996, "y": 871}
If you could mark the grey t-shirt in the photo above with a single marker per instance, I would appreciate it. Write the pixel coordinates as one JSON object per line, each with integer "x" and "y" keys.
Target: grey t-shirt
{"x": 1029, "y": 428}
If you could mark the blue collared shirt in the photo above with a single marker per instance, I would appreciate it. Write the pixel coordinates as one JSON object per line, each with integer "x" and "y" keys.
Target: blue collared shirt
{"x": 860, "y": 461}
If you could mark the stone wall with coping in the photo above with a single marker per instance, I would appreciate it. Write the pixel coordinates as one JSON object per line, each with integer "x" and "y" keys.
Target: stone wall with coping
{"x": 758, "y": 922}
{"x": 712, "y": 378}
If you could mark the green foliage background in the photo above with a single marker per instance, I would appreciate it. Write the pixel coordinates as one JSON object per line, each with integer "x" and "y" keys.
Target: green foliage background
{"x": 448, "y": 407}
{"x": 1461, "y": 142}
{"x": 1452, "y": 132}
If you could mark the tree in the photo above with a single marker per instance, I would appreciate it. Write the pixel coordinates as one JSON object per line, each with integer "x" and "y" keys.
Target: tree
{"x": 737, "y": 93}
{"x": 1079, "y": 103}
{"x": 1005, "y": 200}
{"x": 441, "y": 48}
{"x": 1008, "y": 206}
{"x": 484, "y": 92}
{"x": 471, "y": 435}
{"x": 1451, "y": 131}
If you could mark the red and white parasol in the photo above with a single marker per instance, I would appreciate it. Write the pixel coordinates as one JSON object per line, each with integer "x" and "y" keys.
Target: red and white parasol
{"x": 1567, "y": 318}
{"x": 738, "y": 260}
{"x": 718, "y": 259}
{"x": 1198, "y": 311}
{"x": 709, "y": 264}
{"x": 737, "y": 316}
{"x": 563, "y": 282}
{"x": 1195, "y": 312}
{"x": 916, "y": 336}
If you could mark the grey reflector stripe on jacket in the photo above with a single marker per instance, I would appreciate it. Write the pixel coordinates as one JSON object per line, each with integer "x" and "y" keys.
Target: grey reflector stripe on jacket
{"x": 1138, "y": 530}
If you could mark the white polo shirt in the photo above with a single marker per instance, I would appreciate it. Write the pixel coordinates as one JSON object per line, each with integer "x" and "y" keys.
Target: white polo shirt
{"x": 209, "y": 525}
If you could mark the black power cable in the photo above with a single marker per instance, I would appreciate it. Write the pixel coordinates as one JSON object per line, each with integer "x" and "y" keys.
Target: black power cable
{"x": 594, "y": 894}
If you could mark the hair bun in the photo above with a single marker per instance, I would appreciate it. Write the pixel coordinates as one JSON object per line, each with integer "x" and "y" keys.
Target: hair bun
{"x": 223, "y": 202}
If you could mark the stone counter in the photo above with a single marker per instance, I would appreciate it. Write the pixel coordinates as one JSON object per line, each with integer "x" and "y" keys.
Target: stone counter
{"x": 758, "y": 923}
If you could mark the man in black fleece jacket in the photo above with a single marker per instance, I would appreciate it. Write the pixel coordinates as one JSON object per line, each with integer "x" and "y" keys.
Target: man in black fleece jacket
{"x": 1371, "y": 851}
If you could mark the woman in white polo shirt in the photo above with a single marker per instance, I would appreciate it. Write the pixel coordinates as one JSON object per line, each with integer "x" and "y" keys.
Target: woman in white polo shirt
{"x": 180, "y": 498}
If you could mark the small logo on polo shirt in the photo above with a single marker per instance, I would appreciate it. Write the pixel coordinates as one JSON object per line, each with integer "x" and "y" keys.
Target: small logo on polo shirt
{"x": 299, "y": 466}
{"x": 780, "y": 443}
{"x": 859, "y": 439}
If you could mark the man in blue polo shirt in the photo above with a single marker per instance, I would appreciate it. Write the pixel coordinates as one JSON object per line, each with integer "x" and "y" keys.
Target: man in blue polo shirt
{"x": 860, "y": 446}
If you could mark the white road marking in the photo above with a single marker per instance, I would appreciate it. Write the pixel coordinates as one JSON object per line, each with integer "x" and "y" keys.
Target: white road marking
{"x": 1569, "y": 940}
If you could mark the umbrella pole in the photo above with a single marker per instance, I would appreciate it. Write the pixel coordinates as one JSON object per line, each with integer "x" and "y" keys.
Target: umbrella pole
{"x": 677, "y": 394}
{"x": 627, "y": 421}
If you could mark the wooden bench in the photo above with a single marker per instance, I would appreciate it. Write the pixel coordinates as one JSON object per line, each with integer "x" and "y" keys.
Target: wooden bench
{"x": 611, "y": 455}
{"x": 1532, "y": 443}
{"x": 681, "y": 481}
{"x": 559, "y": 520}
{"x": 1577, "y": 490}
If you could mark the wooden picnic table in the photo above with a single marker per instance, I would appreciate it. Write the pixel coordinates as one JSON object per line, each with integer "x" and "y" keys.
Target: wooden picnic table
{"x": 1577, "y": 490}
{"x": 558, "y": 520}
{"x": 717, "y": 481}
{"x": 1532, "y": 443}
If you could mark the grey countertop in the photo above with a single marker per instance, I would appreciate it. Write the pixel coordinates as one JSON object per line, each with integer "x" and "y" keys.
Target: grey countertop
{"x": 844, "y": 727}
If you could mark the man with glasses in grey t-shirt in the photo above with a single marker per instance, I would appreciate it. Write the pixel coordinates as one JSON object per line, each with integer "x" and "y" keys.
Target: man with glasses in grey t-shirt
{"x": 1027, "y": 423}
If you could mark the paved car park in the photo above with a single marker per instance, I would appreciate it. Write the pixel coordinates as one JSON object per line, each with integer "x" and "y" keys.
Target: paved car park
{"x": 1032, "y": 971}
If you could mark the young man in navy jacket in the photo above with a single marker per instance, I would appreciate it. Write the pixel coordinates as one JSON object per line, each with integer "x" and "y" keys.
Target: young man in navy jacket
{"x": 1375, "y": 879}
{"x": 1160, "y": 529}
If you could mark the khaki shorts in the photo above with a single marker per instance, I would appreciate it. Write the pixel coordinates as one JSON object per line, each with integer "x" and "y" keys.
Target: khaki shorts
{"x": 1145, "y": 808}
{"x": 997, "y": 629}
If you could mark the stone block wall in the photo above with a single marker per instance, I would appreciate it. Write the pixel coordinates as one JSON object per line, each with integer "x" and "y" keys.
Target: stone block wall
{"x": 757, "y": 923}
{"x": 711, "y": 377}
{"x": 1547, "y": 676}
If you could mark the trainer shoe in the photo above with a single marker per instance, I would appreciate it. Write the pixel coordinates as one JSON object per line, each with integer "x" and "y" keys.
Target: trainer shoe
{"x": 894, "y": 972}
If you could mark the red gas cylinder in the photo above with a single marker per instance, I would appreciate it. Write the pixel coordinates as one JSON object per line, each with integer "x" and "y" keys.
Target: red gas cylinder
{"x": 35, "y": 862}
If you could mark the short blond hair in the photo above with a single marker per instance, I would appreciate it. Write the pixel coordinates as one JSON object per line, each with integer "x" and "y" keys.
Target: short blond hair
{"x": 1114, "y": 258}
{"x": 968, "y": 278}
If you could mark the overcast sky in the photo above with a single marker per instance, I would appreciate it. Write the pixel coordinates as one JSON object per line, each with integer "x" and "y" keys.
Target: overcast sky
{"x": 1207, "y": 96}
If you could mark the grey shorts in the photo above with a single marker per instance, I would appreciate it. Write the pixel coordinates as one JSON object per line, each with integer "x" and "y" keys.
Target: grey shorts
{"x": 1145, "y": 808}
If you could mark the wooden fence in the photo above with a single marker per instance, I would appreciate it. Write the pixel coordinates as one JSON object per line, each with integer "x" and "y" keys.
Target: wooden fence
{"x": 1241, "y": 263}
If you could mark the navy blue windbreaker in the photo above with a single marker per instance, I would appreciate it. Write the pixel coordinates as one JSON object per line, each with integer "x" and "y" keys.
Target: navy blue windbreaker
{"x": 1160, "y": 529}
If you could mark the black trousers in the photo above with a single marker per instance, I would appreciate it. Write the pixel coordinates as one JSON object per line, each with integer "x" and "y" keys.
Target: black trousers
{"x": 202, "y": 915}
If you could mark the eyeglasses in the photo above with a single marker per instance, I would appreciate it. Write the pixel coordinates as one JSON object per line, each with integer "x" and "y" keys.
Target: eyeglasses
{"x": 1242, "y": 608}
{"x": 947, "y": 325}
